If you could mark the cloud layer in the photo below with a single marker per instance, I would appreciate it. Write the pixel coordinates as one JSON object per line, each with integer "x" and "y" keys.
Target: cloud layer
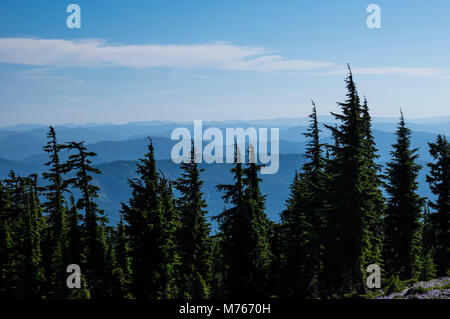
{"x": 407, "y": 71}
{"x": 98, "y": 53}
{"x": 219, "y": 56}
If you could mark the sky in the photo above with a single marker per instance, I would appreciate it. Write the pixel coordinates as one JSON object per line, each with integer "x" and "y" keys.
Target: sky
{"x": 219, "y": 60}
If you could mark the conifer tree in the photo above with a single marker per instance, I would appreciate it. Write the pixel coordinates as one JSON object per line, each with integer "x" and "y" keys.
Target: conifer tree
{"x": 5, "y": 242}
{"x": 75, "y": 238}
{"x": 231, "y": 236}
{"x": 244, "y": 233}
{"x": 150, "y": 227}
{"x": 111, "y": 282}
{"x": 26, "y": 275}
{"x": 12, "y": 218}
{"x": 427, "y": 264}
{"x": 218, "y": 268}
{"x": 169, "y": 249}
{"x": 75, "y": 252}
{"x": 256, "y": 225}
{"x": 295, "y": 232}
{"x": 439, "y": 181}
{"x": 349, "y": 214}
{"x": 55, "y": 235}
{"x": 94, "y": 219}
{"x": 304, "y": 221}
{"x": 35, "y": 227}
{"x": 194, "y": 241}
{"x": 122, "y": 270}
{"x": 402, "y": 243}
{"x": 374, "y": 201}
{"x": 275, "y": 269}
{"x": 333, "y": 276}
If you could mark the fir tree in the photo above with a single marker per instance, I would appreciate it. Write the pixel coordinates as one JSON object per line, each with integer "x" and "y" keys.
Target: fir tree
{"x": 26, "y": 275}
{"x": 5, "y": 242}
{"x": 55, "y": 235}
{"x": 256, "y": 226}
{"x": 349, "y": 215}
{"x": 194, "y": 241}
{"x": 169, "y": 249}
{"x": 231, "y": 222}
{"x": 244, "y": 231}
{"x": 75, "y": 238}
{"x": 218, "y": 268}
{"x": 439, "y": 181}
{"x": 374, "y": 201}
{"x": 151, "y": 226}
{"x": 75, "y": 253}
{"x": 427, "y": 264}
{"x": 304, "y": 221}
{"x": 122, "y": 270}
{"x": 402, "y": 243}
{"x": 95, "y": 246}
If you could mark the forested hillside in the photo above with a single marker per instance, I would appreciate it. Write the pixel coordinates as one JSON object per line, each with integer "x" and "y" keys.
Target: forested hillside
{"x": 196, "y": 231}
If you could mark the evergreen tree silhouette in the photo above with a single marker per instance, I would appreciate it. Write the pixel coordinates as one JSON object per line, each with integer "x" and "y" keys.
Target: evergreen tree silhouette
{"x": 439, "y": 181}
{"x": 402, "y": 243}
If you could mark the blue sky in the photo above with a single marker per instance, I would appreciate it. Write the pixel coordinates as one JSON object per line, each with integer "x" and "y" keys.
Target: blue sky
{"x": 213, "y": 60}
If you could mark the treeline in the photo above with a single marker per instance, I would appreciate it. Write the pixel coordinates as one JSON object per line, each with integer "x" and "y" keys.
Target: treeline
{"x": 336, "y": 223}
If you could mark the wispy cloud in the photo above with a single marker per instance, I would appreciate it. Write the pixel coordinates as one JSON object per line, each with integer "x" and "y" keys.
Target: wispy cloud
{"x": 408, "y": 71}
{"x": 98, "y": 53}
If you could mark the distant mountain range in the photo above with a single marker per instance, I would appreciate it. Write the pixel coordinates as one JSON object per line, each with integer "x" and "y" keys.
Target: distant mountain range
{"x": 119, "y": 146}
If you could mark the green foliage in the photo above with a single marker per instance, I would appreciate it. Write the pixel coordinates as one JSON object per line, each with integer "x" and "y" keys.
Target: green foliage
{"x": 94, "y": 242}
{"x": 428, "y": 268}
{"x": 22, "y": 223}
{"x": 303, "y": 223}
{"x": 395, "y": 285}
{"x": 152, "y": 223}
{"x": 355, "y": 201}
{"x": 54, "y": 250}
{"x": 403, "y": 240}
{"x": 193, "y": 237}
{"x": 439, "y": 180}
{"x": 244, "y": 233}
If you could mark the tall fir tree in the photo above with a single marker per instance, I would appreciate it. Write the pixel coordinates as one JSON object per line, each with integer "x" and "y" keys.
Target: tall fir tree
{"x": 349, "y": 213}
{"x": 333, "y": 276}
{"x": 244, "y": 233}
{"x": 374, "y": 201}
{"x": 150, "y": 227}
{"x": 258, "y": 257}
{"x": 94, "y": 219}
{"x": 55, "y": 234}
{"x": 439, "y": 181}
{"x": 304, "y": 221}
{"x": 402, "y": 221}
{"x": 170, "y": 251}
{"x": 193, "y": 240}
{"x": 231, "y": 236}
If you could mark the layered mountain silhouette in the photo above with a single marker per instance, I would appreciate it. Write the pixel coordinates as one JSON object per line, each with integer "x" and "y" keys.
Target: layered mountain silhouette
{"x": 120, "y": 146}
